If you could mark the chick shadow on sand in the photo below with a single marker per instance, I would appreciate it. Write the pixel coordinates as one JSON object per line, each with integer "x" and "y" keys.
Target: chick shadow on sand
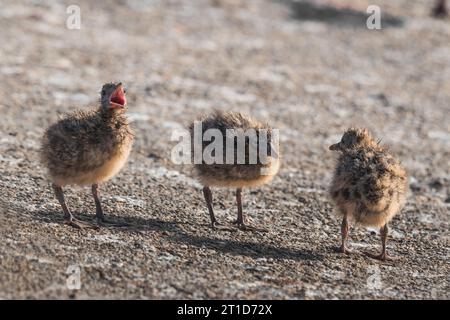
{"x": 345, "y": 17}
{"x": 176, "y": 234}
{"x": 250, "y": 249}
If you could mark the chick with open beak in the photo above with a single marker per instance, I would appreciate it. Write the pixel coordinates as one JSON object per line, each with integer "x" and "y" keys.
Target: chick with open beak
{"x": 88, "y": 148}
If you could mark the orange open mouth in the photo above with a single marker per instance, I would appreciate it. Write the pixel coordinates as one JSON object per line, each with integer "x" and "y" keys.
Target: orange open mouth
{"x": 117, "y": 99}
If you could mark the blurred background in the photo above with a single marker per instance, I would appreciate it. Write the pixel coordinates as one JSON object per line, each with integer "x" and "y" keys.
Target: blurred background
{"x": 309, "y": 68}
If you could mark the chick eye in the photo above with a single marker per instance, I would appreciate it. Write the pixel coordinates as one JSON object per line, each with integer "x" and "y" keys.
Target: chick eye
{"x": 103, "y": 92}
{"x": 124, "y": 90}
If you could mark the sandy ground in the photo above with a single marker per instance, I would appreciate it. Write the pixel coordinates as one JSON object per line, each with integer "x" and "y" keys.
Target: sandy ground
{"x": 310, "y": 71}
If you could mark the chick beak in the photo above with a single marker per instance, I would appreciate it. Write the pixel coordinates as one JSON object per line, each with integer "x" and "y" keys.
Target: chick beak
{"x": 117, "y": 99}
{"x": 335, "y": 147}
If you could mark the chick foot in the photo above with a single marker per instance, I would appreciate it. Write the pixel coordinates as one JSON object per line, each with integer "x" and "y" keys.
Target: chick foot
{"x": 244, "y": 227}
{"x": 78, "y": 224}
{"x": 343, "y": 250}
{"x": 380, "y": 256}
{"x": 217, "y": 226}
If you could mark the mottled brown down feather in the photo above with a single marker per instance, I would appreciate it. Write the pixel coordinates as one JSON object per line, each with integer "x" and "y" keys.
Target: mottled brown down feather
{"x": 86, "y": 147}
{"x": 369, "y": 184}
{"x": 236, "y": 175}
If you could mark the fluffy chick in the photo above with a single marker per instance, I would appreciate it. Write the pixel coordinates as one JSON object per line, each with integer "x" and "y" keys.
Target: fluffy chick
{"x": 88, "y": 147}
{"x": 369, "y": 185}
{"x": 237, "y": 175}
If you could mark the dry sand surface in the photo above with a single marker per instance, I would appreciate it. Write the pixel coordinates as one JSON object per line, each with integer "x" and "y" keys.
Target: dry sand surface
{"x": 309, "y": 71}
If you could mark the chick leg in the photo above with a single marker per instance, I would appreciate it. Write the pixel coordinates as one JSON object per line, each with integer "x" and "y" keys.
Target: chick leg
{"x": 344, "y": 234}
{"x": 98, "y": 206}
{"x": 101, "y": 219}
{"x": 68, "y": 217}
{"x": 208, "y": 198}
{"x": 441, "y": 9}
{"x": 240, "y": 216}
{"x": 382, "y": 256}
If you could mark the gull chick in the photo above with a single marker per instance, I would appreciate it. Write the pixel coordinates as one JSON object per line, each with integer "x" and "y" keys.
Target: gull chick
{"x": 235, "y": 174}
{"x": 369, "y": 185}
{"x": 88, "y": 148}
